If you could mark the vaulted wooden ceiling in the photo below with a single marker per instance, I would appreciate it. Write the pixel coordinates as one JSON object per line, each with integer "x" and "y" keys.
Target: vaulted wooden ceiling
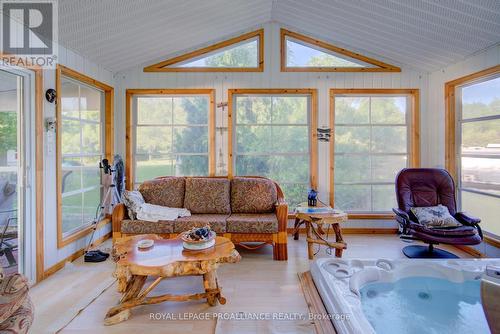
{"x": 425, "y": 34}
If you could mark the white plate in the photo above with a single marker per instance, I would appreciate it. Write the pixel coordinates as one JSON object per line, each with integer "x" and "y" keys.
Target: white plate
{"x": 146, "y": 243}
{"x": 199, "y": 246}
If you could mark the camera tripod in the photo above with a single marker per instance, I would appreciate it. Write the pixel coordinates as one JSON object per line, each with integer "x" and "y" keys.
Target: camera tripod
{"x": 112, "y": 192}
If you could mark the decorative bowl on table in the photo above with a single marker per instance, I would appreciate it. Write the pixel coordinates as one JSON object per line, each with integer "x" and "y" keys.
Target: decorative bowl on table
{"x": 198, "y": 238}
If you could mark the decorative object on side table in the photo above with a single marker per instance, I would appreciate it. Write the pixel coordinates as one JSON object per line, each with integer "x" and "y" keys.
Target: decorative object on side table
{"x": 315, "y": 219}
{"x": 198, "y": 238}
{"x": 312, "y": 197}
{"x": 167, "y": 258}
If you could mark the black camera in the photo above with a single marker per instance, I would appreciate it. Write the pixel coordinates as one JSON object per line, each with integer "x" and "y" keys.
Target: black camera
{"x": 105, "y": 166}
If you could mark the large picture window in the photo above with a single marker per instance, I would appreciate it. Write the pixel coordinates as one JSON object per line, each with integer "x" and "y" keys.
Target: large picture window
{"x": 374, "y": 138}
{"x": 477, "y": 148}
{"x": 172, "y": 134}
{"x": 83, "y": 109}
{"x": 271, "y": 137}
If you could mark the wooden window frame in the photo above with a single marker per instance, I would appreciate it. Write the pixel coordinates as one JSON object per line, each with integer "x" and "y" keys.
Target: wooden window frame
{"x": 129, "y": 138}
{"x": 313, "y": 127}
{"x": 163, "y": 65}
{"x": 108, "y": 145}
{"x": 284, "y": 33}
{"x": 450, "y": 128}
{"x": 414, "y": 128}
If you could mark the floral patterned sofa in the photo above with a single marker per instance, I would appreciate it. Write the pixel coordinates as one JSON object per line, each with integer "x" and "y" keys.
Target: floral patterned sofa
{"x": 243, "y": 209}
{"x": 16, "y": 309}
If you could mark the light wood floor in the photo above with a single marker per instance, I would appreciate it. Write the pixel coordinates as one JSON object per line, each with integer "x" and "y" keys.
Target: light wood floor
{"x": 255, "y": 285}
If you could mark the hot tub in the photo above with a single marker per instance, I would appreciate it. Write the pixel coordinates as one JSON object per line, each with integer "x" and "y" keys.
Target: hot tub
{"x": 403, "y": 296}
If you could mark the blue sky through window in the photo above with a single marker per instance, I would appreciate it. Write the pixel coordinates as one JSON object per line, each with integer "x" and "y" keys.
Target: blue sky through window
{"x": 483, "y": 92}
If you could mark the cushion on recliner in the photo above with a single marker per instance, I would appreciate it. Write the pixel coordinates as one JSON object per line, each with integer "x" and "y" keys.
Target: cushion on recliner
{"x": 435, "y": 217}
{"x": 145, "y": 227}
{"x": 451, "y": 232}
{"x": 165, "y": 191}
{"x": 421, "y": 187}
{"x": 252, "y": 223}
{"x": 207, "y": 195}
{"x": 253, "y": 195}
{"x": 216, "y": 221}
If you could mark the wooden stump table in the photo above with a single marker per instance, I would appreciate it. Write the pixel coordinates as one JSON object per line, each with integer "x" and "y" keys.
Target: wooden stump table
{"x": 315, "y": 223}
{"x": 166, "y": 258}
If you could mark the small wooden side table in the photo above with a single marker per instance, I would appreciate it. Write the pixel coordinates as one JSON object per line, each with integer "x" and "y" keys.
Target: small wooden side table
{"x": 315, "y": 221}
{"x": 166, "y": 258}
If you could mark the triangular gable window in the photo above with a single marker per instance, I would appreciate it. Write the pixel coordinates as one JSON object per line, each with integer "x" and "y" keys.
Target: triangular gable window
{"x": 240, "y": 54}
{"x": 304, "y": 54}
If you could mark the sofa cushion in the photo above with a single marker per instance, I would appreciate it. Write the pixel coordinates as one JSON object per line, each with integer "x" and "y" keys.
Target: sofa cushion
{"x": 207, "y": 195}
{"x": 252, "y": 223}
{"x": 216, "y": 221}
{"x": 166, "y": 191}
{"x": 253, "y": 195}
{"x": 145, "y": 227}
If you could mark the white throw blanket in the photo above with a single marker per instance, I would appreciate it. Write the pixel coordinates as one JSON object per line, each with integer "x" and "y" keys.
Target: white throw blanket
{"x": 154, "y": 213}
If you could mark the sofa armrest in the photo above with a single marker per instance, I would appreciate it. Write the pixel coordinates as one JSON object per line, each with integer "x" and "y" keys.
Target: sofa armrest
{"x": 282, "y": 215}
{"x": 401, "y": 214}
{"x": 403, "y": 219}
{"x": 119, "y": 213}
{"x": 467, "y": 219}
{"x": 281, "y": 241}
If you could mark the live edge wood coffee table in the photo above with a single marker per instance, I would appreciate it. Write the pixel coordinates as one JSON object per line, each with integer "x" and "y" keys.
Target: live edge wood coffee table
{"x": 315, "y": 220}
{"x": 166, "y": 258}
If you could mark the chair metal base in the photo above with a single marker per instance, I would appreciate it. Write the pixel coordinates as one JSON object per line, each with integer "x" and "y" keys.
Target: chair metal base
{"x": 423, "y": 252}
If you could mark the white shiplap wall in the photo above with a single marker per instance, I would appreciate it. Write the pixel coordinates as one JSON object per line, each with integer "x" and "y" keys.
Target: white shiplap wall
{"x": 52, "y": 254}
{"x": 432, "y": 110}
{"x": 270, "y": 78}
{"x": 433, "y": 129}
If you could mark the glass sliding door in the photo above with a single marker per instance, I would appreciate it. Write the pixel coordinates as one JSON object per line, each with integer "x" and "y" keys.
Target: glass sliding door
{"x": 14, "y": 177}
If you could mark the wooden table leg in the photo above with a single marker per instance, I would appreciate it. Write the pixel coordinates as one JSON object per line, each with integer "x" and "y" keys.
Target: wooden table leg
{"x": 120, "y": 313}
{"x": 338, "y": 238}
{"x": 211, "y": 287}
{"x": 296, "y": 229}
{"x": 320, "y": 228}
{"x": 310, "y": 251}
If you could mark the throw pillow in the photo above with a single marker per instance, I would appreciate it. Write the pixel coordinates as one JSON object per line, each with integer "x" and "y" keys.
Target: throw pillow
{"x": 435, "y": 216}
{"x": 133, "y": 201}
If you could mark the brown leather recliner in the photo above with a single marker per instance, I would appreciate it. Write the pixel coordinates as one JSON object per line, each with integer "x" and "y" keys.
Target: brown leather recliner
{"x": 422, "y": 187}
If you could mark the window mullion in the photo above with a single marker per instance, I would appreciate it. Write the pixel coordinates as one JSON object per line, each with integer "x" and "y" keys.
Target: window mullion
{"x": 174, "y": 157}
{"x": 370, "y": 159}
